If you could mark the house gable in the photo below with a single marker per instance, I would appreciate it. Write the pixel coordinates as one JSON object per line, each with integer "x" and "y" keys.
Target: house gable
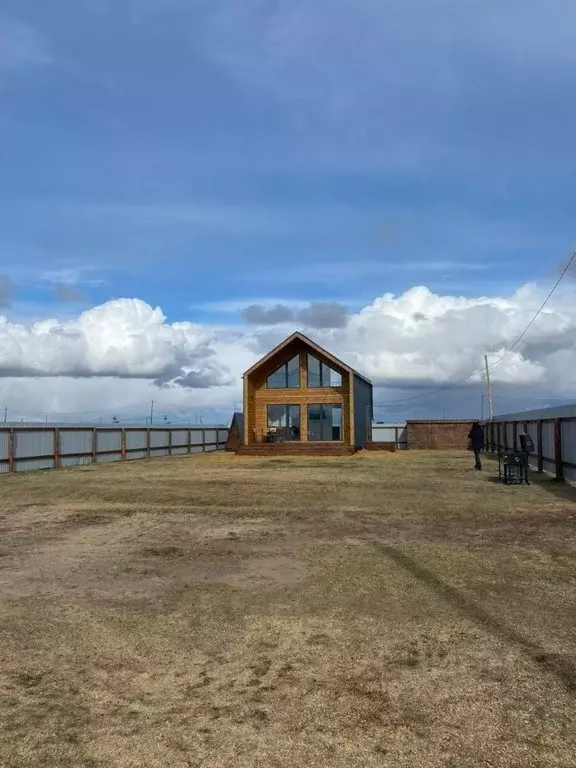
{"x": 291, "y": 346}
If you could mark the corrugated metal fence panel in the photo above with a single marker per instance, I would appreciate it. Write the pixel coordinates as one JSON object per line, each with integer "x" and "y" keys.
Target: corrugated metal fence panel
{"x": 548, "y": 439}
{"x": 36, "y": 444}
{"x": 179, "y": 438}
{"x": 510, "y": 436}
{"x": 28, "y": 465}
{"x": 134, "y": 455}
{"x": 211, "y": 436}
{"x": 222, "y": 437}
{"x": 76, "y": 461}
{"x": 569, "y": 448}
{"x": 159, "y": 438}
{"x": 108, "y": 440}
{"x": 105, "y": 458}
{"x": 196, "y": 437}
{"x": 533, "y": 432}
{"x": 548, "y": 446}
{"x": 4, "y": 439}
{"x": 382, "y": 434}
{"x": 157, "y": 453}
{"x": 77, "y": 441}
{"x": 386, "y": 433}
{"x": 136, "y": 440}
{"x": 180, "y": 451}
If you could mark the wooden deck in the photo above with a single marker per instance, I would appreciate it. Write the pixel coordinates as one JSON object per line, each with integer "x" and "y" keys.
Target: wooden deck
{"x": 296, "y": 449}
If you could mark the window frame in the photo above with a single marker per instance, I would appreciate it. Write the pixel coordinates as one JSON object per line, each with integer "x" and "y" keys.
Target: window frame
{"x": 286, "y": 371}
{"x": 322, "y": 367}
{"x": 285, "y": 418}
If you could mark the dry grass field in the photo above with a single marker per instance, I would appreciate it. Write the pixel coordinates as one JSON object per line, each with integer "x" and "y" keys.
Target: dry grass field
{"x": 382, "y": 610}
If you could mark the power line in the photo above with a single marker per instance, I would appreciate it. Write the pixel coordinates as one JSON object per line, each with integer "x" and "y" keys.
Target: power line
{"x": 496, "y": 362}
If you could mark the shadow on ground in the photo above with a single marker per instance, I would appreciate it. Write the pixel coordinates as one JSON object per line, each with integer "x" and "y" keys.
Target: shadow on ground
{"x": 562, "y": 667}
{"x": 561, "y": 489}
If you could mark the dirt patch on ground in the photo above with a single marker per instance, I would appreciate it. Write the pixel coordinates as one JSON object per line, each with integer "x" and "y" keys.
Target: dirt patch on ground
{"x": 388, "y": 610}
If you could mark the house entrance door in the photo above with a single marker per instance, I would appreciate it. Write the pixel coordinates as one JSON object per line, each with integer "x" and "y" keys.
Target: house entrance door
{"x": 324, "y": 423}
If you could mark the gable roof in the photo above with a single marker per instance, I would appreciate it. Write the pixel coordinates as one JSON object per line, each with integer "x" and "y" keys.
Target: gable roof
{"x": 314, "y": 347}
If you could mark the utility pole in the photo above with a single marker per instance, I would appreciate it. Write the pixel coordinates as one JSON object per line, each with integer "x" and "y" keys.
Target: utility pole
{"x": 151, "y": 412}
{"x": 489, "y": 387}
{"x": 482, "y": 407}
{"x": 5, "y": 414}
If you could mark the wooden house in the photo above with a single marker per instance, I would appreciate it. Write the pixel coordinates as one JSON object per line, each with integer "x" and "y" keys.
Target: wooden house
{"x": 299, "y": 398}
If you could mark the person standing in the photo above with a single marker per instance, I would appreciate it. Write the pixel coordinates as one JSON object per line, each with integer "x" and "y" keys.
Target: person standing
{"x": 476, "y": 437}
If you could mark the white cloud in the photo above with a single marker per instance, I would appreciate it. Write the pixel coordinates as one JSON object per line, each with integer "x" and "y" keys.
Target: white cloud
{"x": 124, "y": 352}
{"x": 125, "y": 338}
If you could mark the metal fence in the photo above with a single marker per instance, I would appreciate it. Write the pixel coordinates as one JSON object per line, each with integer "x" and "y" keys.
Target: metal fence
{"x": 554, "y": 439}
{"x": 391, "y": 433}
{"x": 24, "y": 448}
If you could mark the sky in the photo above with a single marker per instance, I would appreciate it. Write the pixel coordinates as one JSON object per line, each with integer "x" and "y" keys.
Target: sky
{"x": 185, "y": 182}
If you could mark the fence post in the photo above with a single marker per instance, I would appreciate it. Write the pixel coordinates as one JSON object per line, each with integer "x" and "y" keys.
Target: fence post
{"x": 148, "y": 452}
{"x": 56, "y": 448}
{"x": 123, "y": 444}
{"x": 11, "y": 450}
{"x": 203, "y": 441}
{"x": 169, "y": 442}
{"x": 94, "y": 445}
{"x": 558, "y": 449}
{"x": 189, "y": 441}
{"x": 515, "y": 432}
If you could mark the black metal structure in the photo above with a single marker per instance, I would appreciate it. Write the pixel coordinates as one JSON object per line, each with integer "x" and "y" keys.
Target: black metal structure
{"x": 513, "y": 467}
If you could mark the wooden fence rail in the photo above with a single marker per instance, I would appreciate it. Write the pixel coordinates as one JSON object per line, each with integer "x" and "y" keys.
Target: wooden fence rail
{"x": 554, "y": 443}
{"x": 28, "y": 447}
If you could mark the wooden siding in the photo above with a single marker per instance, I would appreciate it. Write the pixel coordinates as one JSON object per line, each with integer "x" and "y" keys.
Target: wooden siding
{"x": 258, "y": 396}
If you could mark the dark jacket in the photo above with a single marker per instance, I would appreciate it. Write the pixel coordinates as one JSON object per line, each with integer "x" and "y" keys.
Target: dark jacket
{"x": 476, "y": 437}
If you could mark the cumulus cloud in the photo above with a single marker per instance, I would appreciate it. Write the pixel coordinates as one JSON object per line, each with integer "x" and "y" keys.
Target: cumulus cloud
{"x": 256, "y": 314}
{"x": 420, "y": 339}
{"x": 319, "y": 314}
{"x": 125, "y": 351}
{"x": 125, "y": 338}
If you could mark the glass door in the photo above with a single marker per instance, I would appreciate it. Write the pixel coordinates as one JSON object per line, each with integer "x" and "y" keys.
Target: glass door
{"x": 324, "y": 423}
{"x": 283, "y": 422}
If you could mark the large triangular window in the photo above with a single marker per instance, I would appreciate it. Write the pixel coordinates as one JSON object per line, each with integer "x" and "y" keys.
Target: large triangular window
{"x": 287, "y": 376}
{"x": 321, "y": 375}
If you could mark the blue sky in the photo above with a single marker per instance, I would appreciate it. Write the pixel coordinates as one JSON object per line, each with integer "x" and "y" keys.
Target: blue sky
{"x": 206, "y": 155}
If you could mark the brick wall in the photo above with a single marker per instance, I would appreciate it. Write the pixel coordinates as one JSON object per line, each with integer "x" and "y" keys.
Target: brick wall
{"x": 447, "y": 435}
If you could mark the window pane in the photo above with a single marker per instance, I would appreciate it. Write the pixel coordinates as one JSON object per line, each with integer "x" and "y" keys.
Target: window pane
{"x": 293, "y": 372}
{"x": 336, "y": 422}
{"x": 314, "y": 365}
{"x": 293, "y": 415}
{"x": 335, "y": 379}
{"x": 277, "y": 380}
{"x": 276, "y": 415}
{"x": 329, "y": 377}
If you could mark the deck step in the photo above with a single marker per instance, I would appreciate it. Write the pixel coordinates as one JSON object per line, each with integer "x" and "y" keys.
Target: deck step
{"x": 295, "y": 449}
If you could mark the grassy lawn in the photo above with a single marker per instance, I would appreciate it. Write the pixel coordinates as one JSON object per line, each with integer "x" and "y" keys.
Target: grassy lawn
{"x": 383, "y": 610}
